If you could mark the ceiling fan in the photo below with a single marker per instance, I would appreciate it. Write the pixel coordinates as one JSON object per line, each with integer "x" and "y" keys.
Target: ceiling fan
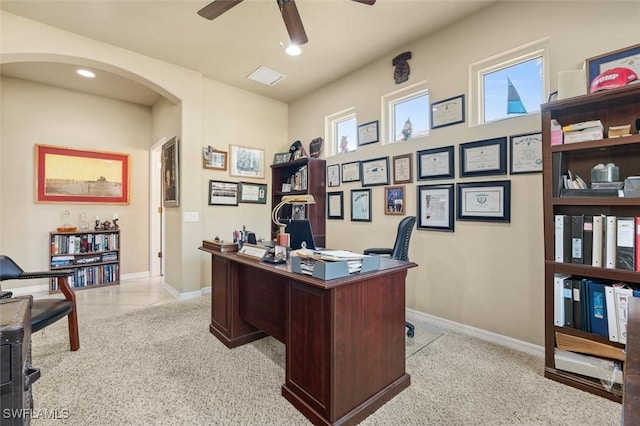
{"x": 287, "y": 8}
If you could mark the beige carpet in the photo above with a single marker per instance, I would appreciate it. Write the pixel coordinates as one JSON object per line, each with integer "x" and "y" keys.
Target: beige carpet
{"x": 161, "y": 366}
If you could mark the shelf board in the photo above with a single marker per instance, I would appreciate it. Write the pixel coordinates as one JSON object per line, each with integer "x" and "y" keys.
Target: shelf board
{"x": 87, "y": 287}
{"x": 594, "y": 271}
{"x": 596, "y": 201}
{"x": 599, "y": 145}
{"x": 586, "y": 384}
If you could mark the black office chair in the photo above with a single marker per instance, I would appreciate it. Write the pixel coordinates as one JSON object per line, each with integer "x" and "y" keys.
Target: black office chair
{"x": 45, "y": 312}
{"x": 400, "y": 251}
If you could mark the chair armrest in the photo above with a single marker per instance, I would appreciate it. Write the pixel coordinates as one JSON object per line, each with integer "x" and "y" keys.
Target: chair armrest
{"x": 377, "y": 250}
{"x": 46, "y": 274}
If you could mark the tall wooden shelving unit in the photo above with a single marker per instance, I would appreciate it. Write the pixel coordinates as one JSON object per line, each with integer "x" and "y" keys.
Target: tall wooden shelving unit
{"x": 314, "y": 184}
{"x": 613, "y": 107}
{"x": 94, "y": 256}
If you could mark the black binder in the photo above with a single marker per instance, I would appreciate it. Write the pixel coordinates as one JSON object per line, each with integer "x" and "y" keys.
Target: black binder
{"x": 577, "y": 230}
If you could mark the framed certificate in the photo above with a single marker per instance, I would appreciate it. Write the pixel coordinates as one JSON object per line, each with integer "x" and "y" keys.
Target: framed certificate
{"x": 351, "y": 172}
{"x": 485, "y": 201}
{"x": 435, "y": 207}
{"x": 368, "y": 133}
{"x": 436, "y": 163}
{"x": 403, "y": 168}
{"x": 335, "y": 205}
{"x": 375, "y": 171}
{"x": 484, "y": 158}
{"x": 253, "y": 193}
{"x": 333, "y": 175}
{"x": 526, "y": 153}
{"x": 447, "y": 112}
{"x": 361, "y": 205}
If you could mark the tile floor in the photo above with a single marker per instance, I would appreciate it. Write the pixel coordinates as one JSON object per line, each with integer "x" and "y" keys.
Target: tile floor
{"x": 128, "y": 296}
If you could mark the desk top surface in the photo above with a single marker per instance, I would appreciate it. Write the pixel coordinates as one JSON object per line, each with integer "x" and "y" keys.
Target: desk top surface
{"x": 387, "y": 266}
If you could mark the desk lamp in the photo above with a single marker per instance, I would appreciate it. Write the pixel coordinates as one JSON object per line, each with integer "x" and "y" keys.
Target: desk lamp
{"x": 282, "y": 239}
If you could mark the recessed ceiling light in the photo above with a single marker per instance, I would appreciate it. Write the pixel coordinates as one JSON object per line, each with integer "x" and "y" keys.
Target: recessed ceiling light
{"x": 293, "y": 50}
{"x": 86, "y": 73}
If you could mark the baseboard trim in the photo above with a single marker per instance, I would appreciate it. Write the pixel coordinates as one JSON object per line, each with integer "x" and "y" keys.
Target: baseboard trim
{"x": 499, "y": 339}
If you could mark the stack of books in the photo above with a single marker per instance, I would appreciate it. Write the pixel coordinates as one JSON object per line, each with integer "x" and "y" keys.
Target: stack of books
{"x": 584, "y": 131}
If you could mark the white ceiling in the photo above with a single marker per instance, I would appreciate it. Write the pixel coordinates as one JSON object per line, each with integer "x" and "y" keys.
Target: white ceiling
{"x": 343, "y": 36}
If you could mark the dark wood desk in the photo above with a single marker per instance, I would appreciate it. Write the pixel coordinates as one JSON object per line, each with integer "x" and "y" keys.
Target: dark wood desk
{"x": 344, "y": 338}
{"x": 631, "y": 394}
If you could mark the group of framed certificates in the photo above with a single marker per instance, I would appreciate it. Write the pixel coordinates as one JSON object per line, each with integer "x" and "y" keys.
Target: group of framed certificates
{"x": 476, "y": 201}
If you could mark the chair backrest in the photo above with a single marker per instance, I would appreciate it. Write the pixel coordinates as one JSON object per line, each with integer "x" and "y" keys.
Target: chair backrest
{"x": 9, "y": 270}
{"x": 401, "y": 246}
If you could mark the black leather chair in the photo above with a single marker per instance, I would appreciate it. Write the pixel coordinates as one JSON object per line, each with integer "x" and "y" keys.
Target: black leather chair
{"x": 45, "y": 312}
{"x": 400, "y": 251}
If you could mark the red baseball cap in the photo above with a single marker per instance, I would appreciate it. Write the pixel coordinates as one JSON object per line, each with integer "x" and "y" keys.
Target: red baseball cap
{"x": 612, "y": 78}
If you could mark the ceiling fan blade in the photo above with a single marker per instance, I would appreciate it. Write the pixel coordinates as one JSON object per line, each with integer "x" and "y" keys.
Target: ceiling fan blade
{"x": 369, "y": 2}
{"x": 217, "y": 8}
{"x": 293, "y": 22}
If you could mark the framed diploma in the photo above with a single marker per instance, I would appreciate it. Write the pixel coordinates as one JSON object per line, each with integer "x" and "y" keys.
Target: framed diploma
{"x": 351, "y": 172}
{"x": 335, "y": 205}
{"x": 368, "y": 133}
{"x": 526, "y": 153}
{"x": 403, "y": 168}
{"x": 485, "y": 201}
{"x": 435, "y": 207}
{"x": 484, "y": 158}
{"x": 436, "y": 163}
{"x": 447, "y": 112}
{"x": 375, "y": 171}
{"x": 333, "y": 175}
{"x": 361, "y": 205}
{"x": 253, "y": 193}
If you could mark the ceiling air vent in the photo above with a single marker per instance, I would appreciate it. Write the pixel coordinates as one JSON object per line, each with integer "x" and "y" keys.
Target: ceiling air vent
{"x": 266, "y": 76}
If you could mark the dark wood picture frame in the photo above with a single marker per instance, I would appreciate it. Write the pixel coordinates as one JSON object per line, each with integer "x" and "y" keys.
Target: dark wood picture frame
{"x": 403, "y": 168}
{"x": 436, "y": 163}
{"x": 482, "y": 161}
{"x": 374, "y": 172}
{"x": 223, "y": 193}
{"x": 333, "y": 198}
{"x": 361, "y": 205}
{"x": 484, "y": 201}
{"x": 439, "y": 199}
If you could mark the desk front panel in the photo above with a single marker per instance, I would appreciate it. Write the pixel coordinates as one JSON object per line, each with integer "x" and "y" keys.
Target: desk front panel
{"x": 345, "y": 344}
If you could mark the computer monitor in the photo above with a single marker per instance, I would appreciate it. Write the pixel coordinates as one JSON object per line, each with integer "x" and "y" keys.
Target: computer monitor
{"x": 299, "y": 231}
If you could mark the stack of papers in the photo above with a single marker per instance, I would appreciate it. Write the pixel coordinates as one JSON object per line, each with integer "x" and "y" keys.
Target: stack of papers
{"x": 354, "y": 260}
{"x": 583, "y": 131}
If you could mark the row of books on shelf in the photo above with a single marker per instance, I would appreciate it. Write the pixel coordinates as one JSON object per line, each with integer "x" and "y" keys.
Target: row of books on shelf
{"x": 91, "y": 275}
{"x": 84, "y": 243}
{"x": 592, "y": 305}
{"x": 599, "y": 240}
{"x": 297, "y": 181}
{"x": 70, "y": 260}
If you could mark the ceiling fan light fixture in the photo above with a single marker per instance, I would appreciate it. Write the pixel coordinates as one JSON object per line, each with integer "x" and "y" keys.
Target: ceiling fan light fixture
{"x": 85, "y": 73}
{"x": 293, "y": 50}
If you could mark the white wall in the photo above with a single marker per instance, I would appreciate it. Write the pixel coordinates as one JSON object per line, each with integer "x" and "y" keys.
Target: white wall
{"x": 486, "y": 275}
{"x": 34, "y": 113}
{"x": 200, "y": 112}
